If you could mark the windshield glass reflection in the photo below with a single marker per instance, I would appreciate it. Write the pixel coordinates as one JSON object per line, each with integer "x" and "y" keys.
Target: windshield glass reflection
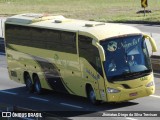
{"x": 126, "y": 58}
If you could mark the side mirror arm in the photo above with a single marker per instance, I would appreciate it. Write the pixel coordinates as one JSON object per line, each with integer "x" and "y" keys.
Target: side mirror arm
{"x": 101, "y": 50}
{"x": 152, "y": 42}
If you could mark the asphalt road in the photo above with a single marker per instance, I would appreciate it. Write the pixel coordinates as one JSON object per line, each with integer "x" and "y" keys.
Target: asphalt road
{"x": 14, "y": 94}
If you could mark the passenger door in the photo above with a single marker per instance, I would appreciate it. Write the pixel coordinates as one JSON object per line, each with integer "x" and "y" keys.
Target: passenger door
{"x": 91, "y": 65}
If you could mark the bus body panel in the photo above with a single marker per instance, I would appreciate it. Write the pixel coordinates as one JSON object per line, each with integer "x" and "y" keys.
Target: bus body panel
{"x": 139, "y": 89}
{"x": 43, "y": 64}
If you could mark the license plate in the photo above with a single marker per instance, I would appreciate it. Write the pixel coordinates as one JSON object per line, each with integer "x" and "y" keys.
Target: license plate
{"x": 133, "y": 94}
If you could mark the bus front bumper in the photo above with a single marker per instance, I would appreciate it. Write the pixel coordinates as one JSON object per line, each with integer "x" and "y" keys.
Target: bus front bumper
{"x": 130, "y": 94}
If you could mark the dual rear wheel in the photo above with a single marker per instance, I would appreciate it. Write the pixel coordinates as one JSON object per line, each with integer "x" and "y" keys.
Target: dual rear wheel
{"x": 28, "y": 83}
{"x": 37, "y": 85}
{"x": 34, "y": 86}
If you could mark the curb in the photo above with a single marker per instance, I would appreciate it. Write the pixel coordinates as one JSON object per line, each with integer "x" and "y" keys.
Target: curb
{"x": 157, "y": 75}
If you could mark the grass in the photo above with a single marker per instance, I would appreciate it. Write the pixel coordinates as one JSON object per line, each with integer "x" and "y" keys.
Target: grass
{"x": 99, "y": 10}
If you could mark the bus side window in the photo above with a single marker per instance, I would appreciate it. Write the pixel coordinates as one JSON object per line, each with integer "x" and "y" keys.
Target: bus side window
{"x": 98, "y": 65}
{"x": 42, "y": 38}
{"x": 52, "y": 40}
{"x": 89, "y": 52}
{"x": 68, "y": 42}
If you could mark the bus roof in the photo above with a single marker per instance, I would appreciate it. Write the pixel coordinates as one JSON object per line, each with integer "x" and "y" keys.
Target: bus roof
{"x": 96, "y": 30}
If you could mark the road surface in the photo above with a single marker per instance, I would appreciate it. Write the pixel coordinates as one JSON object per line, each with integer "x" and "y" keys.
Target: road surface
{"x": 14, "y": 94}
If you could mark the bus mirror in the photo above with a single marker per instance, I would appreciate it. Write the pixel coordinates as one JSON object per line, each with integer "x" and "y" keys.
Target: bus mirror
{"x": 101, "y": 50}
{"x": 152, "y": 42}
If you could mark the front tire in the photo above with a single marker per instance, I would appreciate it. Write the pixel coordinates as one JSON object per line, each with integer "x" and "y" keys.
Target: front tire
{"x": 92, "y": 97}
{"x": 37, "y": 85}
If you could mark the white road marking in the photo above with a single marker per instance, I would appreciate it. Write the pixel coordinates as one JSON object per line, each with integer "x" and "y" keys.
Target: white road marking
{"x": 128, "y": 118}
{"x": 27, "y": 119}
{"x": 155, "y": 96}
{"x": 36, "y": 98}
{"x": 8, "y": 92}
{"x": 71, "y": 105}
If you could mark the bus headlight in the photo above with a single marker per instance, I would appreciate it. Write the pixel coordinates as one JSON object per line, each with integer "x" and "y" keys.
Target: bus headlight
{"x": 150, "y": 84}
{"x": 112, "y": 90}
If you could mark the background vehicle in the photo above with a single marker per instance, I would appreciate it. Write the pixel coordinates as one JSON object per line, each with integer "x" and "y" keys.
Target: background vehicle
{"x": 74, "y": 56}
{"x": 2, "y": 46}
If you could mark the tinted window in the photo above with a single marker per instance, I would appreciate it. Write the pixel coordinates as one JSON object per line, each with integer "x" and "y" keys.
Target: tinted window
{"x": 89, "y": 52}
{"x": 127, "y": 58}
{"x": 41, "y": 38}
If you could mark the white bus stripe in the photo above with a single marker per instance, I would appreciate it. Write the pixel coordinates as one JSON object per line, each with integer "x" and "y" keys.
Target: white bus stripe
{"x": 155, "y": 96}
{"x": 36, "y": 98}
{"x": 8, "y": 92}
{"x": 71, "y": 105}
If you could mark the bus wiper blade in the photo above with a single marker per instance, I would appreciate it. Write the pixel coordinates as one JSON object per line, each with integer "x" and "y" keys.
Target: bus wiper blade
{"x": 129, "y": 75}
{"x": 136, "y": 74}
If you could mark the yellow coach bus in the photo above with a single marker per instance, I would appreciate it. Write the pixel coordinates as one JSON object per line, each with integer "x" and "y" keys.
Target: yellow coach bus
{"x": 100, "y": 61}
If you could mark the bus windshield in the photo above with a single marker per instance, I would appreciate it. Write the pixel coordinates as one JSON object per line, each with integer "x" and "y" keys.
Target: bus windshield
{"x": 127, "y": 58}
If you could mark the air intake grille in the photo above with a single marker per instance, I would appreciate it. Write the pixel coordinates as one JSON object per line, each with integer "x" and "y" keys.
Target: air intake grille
{"x": 126, "y": 86}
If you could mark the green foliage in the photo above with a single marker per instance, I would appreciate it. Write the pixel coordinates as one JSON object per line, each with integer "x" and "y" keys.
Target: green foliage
{"x": 100, "y": 10}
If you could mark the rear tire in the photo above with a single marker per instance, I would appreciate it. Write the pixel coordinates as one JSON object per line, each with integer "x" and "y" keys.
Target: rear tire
{"x": 92, "y": 97}
{"x": 28, "y": 83}
{"x": 37, "y": 85}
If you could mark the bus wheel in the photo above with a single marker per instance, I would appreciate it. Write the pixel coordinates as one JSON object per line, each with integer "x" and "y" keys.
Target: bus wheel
{"x": 37, "y": 85}
{"x": 92, "y": 97}
{"x": 28, "y": 82}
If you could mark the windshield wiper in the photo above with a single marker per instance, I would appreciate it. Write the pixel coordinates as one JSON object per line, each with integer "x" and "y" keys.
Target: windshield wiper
{"x": 136, "y": 74}
{"x": 130, "y": 75}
